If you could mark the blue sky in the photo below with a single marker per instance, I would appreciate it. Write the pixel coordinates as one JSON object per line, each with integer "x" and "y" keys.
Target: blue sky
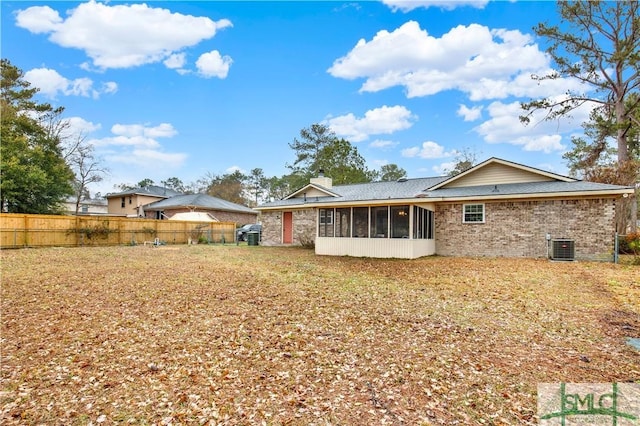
{"x": 187, "y": 88}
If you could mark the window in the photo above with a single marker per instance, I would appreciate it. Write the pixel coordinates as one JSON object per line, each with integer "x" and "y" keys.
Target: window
{"x": 473, "y": 213}
{"x": 326, "y": 216}
{"x": 343, "y": 222}
{"x": 380, "y": 222}
{"x": 400, "y": 222}
{"x": 423, "y": 223}
{"x": 361, "y": 222}
{"x": 325, "y": 221}
{"x": 122, "y": 203}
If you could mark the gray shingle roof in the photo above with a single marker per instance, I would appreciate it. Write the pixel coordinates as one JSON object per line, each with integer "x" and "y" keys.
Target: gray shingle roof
{"x": 153, "y": 190}
{"x": 528, "y": 188}
{"x": 418, "y": 188}
{"x": 367, "y": 192}
{"x": 202, "y": 201}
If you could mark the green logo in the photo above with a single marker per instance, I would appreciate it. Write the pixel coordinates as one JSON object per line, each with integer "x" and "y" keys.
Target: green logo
{"x": 614, "y": 404}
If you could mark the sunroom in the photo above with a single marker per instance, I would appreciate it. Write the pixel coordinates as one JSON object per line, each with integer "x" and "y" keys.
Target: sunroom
{"x": 383, "y": 231}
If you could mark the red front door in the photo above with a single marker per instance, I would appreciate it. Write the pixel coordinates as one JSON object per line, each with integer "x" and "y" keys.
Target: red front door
{"x": 287, "y": 228}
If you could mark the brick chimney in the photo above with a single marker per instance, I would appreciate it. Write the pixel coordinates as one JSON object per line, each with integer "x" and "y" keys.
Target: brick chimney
{"x": 322, "y": 180}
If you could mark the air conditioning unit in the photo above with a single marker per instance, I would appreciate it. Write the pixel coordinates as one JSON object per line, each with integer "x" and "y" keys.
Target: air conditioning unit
{"x": 563, "y": 249}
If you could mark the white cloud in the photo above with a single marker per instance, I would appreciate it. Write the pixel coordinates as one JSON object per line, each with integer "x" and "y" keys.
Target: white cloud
{"x": 504, "y": 126}
{"x": 39, "y": 19}
{"x": 546, "y": 143}
{"x": 76, "y": 128}
{"x": 469, "y": 114}
{"x": 121, "y": 35}
{"x": 109, "y": 87}
{"x": 175, "y": 61}
{"x": 444, "y": 168}
{"x": 383, "y": 120}
{"x": 473, "y": 59}
{"x": 163, "y": 130}
{"x": 382, "y": 144}
{"x": 50, "y": 83}
{"x": 380, "y": 163}
{"x": 137, "y": 144}
{"x": 127, "y": 130}
{"x": 135, "y": 141}
{"x": 428, "y": 150}
{"x": 137, "y": 135}
{"x": 149, "y": 159}
{"x": 408, "y": 5}
{"x": 234, "y": 169}
{"x": 80, "y": 126}
{"x": 81, "y": 87}
{"x": 212, "y": 64}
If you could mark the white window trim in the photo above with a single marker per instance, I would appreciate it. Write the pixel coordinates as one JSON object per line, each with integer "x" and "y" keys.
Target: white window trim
{"x": 330, "y": 217}
{"x": 464, "y": 208}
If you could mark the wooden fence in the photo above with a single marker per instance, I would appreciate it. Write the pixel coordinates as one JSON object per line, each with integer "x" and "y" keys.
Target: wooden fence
{"x": 31, "y": 230}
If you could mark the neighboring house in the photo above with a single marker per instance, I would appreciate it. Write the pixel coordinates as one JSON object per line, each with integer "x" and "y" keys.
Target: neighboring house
{"x": 88, "y": 206}
{"x": 497, "y": 208}
{"x": 222, "y": 210}
{"x": 129, "y": 203}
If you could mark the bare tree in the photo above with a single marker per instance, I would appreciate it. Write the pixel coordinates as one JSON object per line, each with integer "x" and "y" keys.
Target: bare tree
{"x": 87, "y": 168}
{"x": 464, "y": 160}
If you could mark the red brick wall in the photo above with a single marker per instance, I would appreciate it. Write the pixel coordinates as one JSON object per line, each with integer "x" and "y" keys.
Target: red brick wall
{"x": 518, "y": 229}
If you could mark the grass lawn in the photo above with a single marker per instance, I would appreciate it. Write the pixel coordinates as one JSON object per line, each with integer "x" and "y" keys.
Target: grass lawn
{"x": 240, "y": 335}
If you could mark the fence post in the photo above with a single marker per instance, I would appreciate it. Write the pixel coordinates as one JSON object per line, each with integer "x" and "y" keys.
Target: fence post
{"x": 615, "y": 249}
{"x": 26, "y": 230}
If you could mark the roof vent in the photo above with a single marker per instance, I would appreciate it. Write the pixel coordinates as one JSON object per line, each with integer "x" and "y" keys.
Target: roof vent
{"x": 402, "y": 179}
{"x": 563, "y": 249}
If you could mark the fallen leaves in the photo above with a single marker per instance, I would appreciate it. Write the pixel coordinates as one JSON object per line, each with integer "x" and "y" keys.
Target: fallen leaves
{"x": 253, "y": 335}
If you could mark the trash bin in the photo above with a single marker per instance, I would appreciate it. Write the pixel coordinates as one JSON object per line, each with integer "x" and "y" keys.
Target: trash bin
{"x": 252, "y": 238}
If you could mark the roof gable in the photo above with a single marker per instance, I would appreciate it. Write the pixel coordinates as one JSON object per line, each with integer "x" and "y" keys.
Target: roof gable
{"x": 495, "y": 171}
{"x": 312, "y": 190}
{"x": 198, "y": 201}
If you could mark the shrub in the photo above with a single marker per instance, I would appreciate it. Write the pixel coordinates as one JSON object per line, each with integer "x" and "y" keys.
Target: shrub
{"x": 307, "y": 242}
{"x": 101, "y": 230}
{"x": 632, "y": 241}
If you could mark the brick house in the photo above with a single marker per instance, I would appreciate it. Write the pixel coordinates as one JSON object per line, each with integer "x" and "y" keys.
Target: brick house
{"x": 156, "y": 202}
{"x": 497, "y": 208}
{"x": 220, "y": 210}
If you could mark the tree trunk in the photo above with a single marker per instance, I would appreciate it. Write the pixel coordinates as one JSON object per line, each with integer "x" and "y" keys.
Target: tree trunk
{"x": 621, "y": 134}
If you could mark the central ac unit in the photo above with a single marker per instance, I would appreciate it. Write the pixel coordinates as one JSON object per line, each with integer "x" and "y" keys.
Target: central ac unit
{"x": 563, "y": 249}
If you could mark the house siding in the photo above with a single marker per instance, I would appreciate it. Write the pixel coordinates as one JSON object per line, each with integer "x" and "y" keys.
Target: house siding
{"x": 519, "y": 229}
{"x": 375, "y": 247}
{"x": 497, "y": 174}
{"x": 131, "y": 203}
